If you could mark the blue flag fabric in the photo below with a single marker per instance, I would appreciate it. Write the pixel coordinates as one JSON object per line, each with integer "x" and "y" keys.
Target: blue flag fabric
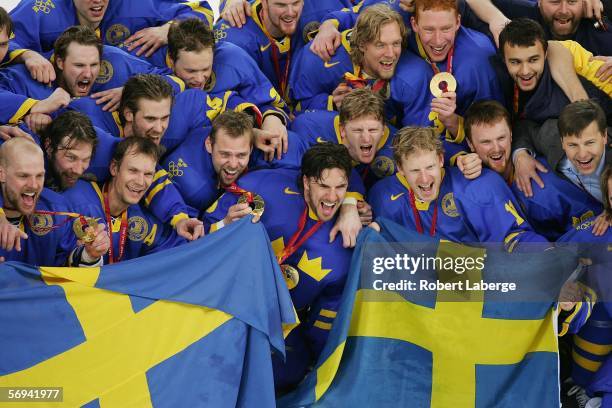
{"x": 187, "y": 327}
{"x": 390, "y": 348}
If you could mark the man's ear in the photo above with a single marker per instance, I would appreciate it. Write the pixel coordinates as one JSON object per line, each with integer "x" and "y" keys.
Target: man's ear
{"x": 114, "y": 168}
{"x": 209, "y": 146}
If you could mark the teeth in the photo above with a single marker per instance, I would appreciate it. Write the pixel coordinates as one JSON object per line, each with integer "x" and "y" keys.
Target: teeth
{"x": 328, "y": 204}
{"x": 97, "y": 8}
{"x": 29, "y": 194}
{"x": 231, "y": 172}
{"x": 496, "y": 157}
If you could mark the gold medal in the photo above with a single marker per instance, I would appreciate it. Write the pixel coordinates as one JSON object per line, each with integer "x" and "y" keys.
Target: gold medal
{"x": 257, "y": 205}
{"x": 79, "y": 230}
{"x": 442, "y": 82}
{"x": 291, "y": 275}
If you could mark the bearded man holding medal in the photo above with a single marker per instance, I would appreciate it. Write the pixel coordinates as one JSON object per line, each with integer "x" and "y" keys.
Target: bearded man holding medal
{"x": 298, "y": 209}
{"x": 43, "y": 217}
{"x": 133, "y": 230}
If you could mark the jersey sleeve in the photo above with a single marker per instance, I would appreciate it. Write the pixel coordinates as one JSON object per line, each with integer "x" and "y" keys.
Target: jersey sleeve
{"x": 214, "y": 215}
{"x": 586, "y": 68}
{"x": 13, "y": 107}
{"x": 164, "y": 200}
{"x": 163, "y": 237}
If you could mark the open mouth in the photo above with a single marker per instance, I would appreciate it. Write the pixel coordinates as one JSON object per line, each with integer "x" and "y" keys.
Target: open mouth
{"x": 426, "y": 191}
{"x": 496, "y": 158}
{"x": 96, "y": 11}
{"x": 136, "y": 190}
{"x": 367, "y": 149}
{"x": 387, "y": 65}
{"x": 83, "y": 86}
{"x": 28, "y": 199}
{"x": 438, "y": 51}
{"x": 327, "y": 208}
{"x": 584, "y": 164}
{"x": 563, "y": 21}
{"x": 526, "y": 81}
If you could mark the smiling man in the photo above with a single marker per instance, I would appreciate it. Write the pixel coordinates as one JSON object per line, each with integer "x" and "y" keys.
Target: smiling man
{"x": 270, "y": 37}
{"x": 38, "y": 24}
{"x": 43, "y": 216}
{"x": 300, "y": 209}
{"x": 430, "y": 199}
{"x": 133, "y": 230}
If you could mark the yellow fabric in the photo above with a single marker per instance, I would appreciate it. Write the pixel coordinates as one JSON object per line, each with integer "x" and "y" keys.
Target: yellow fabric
{"x": 584, "y": 68}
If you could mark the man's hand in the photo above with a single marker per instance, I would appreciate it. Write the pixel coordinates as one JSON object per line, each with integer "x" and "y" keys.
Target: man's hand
{"x": 470, "y": 165}
{"x": 592, "y": 9}
{"x": 11, "y": 236}
{"x": 348, "y": 224}
{"x": 99, "y": 246}
{"x": 327, "y": 41}
{"x": 445, "y": 107}
{"x": 39, "y": 67}
{"x": 365, "y": 212}
{"x": 601, "y": 224}
{"x": 571, "y": 293}
{"x": 267, "y": 142}
{"x": 235, "y": 12}
{"x": 58, "y": 99}
{"x": 8, "y": 132}
{"x": 526, "y": 169}
{"x": 110, "y": 97}
{"x": 273, "y": 125}
{"x": 190, "y": 228}
{"x": 149, "y": 39}
{"x": 407, "y": 5}
{"x": 605, "y": 71}
{"x": 339, "y": 93}
{"x": 237, "y": 211}
{"x": 496, "y": 25}
{"x": 37, "y": 121}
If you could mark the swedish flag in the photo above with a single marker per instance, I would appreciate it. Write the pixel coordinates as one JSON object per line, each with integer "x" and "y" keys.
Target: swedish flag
{"x": 440, "y": 349}
{"x": 187, "y": 327}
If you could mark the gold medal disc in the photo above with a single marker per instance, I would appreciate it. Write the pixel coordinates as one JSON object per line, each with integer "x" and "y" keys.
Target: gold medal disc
{"x": 440, "y": 81}
{"x": 79, "y": 230}
{"x": 258, "y": 204}
{"x": 291, "y": 275}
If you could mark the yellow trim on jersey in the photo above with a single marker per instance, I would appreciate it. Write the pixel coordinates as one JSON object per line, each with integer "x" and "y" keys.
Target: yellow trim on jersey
{"x": 453, "y": 160}
{"x": 22, "y": 111}
{"x": 14, "y": 54}
{"x": 330, "y": 104}
{"x": 195, "y": 6}
{"x": 353, "y": 194}
{"x": 593, "y": 348}
{"x": 178, "y": 81}
{"x": 328, "y": 313}
{"x": 284, "y": 45}
{"x": 566, "y": 323}
{"x": 322, "y": 325}
{"x": 117, "y": 120}
{"x": 178, "y": 217}
{"x": 156, "y": 190}
{"x": 586, "y": 68}
{"x": 337, "y": 129}
{"x": 312, "y": 215}
{"x": 587, "y": 364}
{"x": 345, "y": 41}
{"x": 460, "y": 133}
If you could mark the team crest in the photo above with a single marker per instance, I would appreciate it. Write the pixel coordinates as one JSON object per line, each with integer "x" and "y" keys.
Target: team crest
{"x": 291, "y": 275}
{"x": 220, "y": 34}
{"x": 43, "y": 6}
{"x": 137, "y": 228}
{"x": 448, "y": 205}
{"x": 174, "y": 169}
{"x": 309, "y": 30}
{"x": 106, "y": 72}
{"x": 41, "y": 224}
{"x": 383, "y": 166}
{"x": 116, "y": 34}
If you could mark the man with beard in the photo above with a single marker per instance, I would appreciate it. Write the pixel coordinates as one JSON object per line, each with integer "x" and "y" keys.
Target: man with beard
{"x": 143, "y": 24}
{"x": 300, "y": 207}
{"x": 44, "y": 217}
{"x": 133, "y": 230}
{"x": 430, "y": 199}
{"x": 270, "y": 37}
{"x": 553, "y": 210}
{"x": 82, "y": 66}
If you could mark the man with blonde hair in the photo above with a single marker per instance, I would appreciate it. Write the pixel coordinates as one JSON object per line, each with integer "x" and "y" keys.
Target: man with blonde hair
{"x": 431, "y": 199}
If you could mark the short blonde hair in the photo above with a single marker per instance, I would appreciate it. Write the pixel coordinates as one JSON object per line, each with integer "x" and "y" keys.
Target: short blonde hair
{"x": 368, "y": 26}
{"x": 412, "y": 139}
{"x": 362, "y": 102}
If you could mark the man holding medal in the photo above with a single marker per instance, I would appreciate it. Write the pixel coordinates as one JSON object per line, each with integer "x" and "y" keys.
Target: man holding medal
{"x": 44, "y": 218}
{"x": 133, "y": 230}
{"x": 300, "y": 209}
{"x": 430, "y": 199}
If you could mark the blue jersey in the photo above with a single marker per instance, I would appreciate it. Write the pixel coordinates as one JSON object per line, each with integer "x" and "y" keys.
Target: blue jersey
{"x": 312, "y": 82}
{"x": 50, "y": 237}
{"x": 245, "y": 78}
{"x": 145, "y": 233}
{"x": 38, "y": 23}
{"x": 476, "y": 78}
{"x": 558, "y": 207}
{"x": 192, "y": 109}
{"x": 321, "y": 266}
{"x": 469, "y": 211}
{"x": 14, "y": 50}
{"x": 274, "y": 57}
{"x": 593, "y": 342}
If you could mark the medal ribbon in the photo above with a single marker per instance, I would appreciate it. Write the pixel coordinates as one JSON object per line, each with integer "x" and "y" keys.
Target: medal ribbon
{"x": 434, "y": 66}
{"x": 235, "y": 189}
{"x": 283, "y": 78}
{"x": 417, "y": 216}
{"x": 294, "y": 243}
{"x": 68, "y": 215}
{"x": 356, "y": 81}
{"x": 122, "y": 229}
